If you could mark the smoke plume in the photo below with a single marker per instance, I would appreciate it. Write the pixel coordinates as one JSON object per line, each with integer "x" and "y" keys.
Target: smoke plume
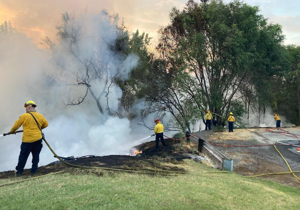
{"x": 50, "y": 78}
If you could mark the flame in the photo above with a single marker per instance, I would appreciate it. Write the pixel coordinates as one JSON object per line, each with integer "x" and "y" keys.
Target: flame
{"x": 137, "y": 152}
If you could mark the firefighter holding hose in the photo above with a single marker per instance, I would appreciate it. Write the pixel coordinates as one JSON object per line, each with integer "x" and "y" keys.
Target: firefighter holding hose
{"x": 32, "y": 137}
{"x": 158, "y": 130}
{"x": 277, "y": 119}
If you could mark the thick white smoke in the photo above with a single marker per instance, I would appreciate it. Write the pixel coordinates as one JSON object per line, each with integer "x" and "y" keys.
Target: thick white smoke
{"x": 29, "y": 73}
{"x": 265, "y": 119}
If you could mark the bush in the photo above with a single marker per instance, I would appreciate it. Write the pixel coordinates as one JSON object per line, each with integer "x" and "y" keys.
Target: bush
{"x": 179, "y": 136}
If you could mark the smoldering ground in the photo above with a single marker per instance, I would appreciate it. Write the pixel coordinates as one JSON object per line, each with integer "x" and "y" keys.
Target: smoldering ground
{"x": 49, "y": 78}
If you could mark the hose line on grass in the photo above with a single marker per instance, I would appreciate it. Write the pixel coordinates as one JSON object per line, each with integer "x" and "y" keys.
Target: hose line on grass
{"x": 31, "y": 178}
{"x": 276, "y": 173}
{"x": 127, "y": 170}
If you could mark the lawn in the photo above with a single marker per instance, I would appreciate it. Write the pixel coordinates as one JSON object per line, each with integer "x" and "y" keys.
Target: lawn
{"x": 201, "y": 188}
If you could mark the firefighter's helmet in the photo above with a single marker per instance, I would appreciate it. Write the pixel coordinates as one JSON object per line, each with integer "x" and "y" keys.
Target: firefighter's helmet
{"x": 30, "y": 103}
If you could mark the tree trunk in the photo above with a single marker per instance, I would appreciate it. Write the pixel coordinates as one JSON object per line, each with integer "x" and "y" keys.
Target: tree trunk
{"x": 299, "y": 101}
{"x": 259, "y": 109}
{"x": 97, "y": 101}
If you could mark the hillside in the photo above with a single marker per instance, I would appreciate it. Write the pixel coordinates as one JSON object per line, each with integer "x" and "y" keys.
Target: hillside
{"x": 167, "y": 179}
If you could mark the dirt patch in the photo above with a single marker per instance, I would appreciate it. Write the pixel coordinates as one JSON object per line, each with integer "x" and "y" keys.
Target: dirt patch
{"x": 238, "y": 134}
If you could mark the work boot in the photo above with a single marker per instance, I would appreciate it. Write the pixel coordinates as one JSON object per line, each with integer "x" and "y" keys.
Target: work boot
{"x": 17, "y": 174}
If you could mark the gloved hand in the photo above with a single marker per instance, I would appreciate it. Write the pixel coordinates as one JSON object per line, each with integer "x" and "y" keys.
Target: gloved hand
{"x": 153, "y": 135}
{"x": 5, "y": 134}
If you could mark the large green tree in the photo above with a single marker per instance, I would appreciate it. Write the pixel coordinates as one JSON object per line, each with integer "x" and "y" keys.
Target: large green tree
{"x": 286, "y": 88}
{"x": 213, "y": 56}
{"x": 223, "y": 51}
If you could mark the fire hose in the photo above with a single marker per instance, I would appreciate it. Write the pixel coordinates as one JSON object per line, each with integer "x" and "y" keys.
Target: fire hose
{"x": 283, "y": 132}
{"x": 90, "y": 167}
{"x": 259, "y": 145}
{"x": 149, "y": 171}
{"x": 274, "y": 145}
{"x": 128, "y": 170}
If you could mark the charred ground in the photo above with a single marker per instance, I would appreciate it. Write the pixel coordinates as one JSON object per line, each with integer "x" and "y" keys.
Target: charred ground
{"x": 246, "y": 160}
{"x": 150, "y": 158}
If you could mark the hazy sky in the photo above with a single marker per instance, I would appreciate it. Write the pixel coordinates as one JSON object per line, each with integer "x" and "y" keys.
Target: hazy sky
{"x": 38, "y": 18}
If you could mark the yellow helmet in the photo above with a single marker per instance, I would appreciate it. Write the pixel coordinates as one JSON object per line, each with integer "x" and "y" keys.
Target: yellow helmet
{"x": 231, "y": 113}
{"x": 30, "y": 103}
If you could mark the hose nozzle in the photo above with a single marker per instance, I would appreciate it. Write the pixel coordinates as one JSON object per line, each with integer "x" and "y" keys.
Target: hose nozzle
{"x": 6, "y": 134}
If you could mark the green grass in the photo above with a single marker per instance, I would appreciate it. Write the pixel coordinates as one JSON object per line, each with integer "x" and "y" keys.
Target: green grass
{"x": 201, "y": 188}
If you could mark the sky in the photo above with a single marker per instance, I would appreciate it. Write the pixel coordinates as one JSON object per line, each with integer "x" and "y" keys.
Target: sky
{"x": 38, "y": 18}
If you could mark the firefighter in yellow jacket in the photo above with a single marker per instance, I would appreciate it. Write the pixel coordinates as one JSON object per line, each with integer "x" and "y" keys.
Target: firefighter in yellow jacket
{"x": 277, "y": 119}
{"x": 158, "y": 130}
{"x": 32, "y": 137}
{"x": 230, "y": 120}
{"x": 208, "y": 118}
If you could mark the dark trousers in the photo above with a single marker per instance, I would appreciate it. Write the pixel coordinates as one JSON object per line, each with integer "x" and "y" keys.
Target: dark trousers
{"x": 230, "y": 126}
{"x": 161, "y": 137}
{"x": 278, "y": 123}
{"x": 208, "y": 125}
{"x": 35, "y": 149}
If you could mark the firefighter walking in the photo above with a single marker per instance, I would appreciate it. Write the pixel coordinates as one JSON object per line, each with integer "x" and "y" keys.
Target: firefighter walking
{"x": 32, "y": 137}
{"x": 158, "y": 130}
{"x": 230, "y": 120}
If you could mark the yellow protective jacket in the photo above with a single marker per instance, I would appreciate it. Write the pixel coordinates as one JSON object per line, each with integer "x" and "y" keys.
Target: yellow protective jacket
{"x": 276, "y": 117}
{"x": 159, "y": 128}
{"x": 231, "y": 118}
{"x": 208, "y": 116}
{"x": 31, "y": 131}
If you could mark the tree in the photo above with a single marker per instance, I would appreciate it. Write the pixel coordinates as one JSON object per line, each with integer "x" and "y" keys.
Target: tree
{"x": 221, "y": 51}
{"x": 294, "y": 80}
{"x": 6, "y": 27}
{"x": 286, "y": 89}
{"x": 94, "y": 56}
{"x": 156, "y": 83}
{"x": 138, "y": 44}
{"x": 211, "y": 55}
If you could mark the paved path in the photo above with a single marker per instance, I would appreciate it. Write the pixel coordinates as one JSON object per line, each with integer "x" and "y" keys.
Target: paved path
{"x": 289, "y": 152}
